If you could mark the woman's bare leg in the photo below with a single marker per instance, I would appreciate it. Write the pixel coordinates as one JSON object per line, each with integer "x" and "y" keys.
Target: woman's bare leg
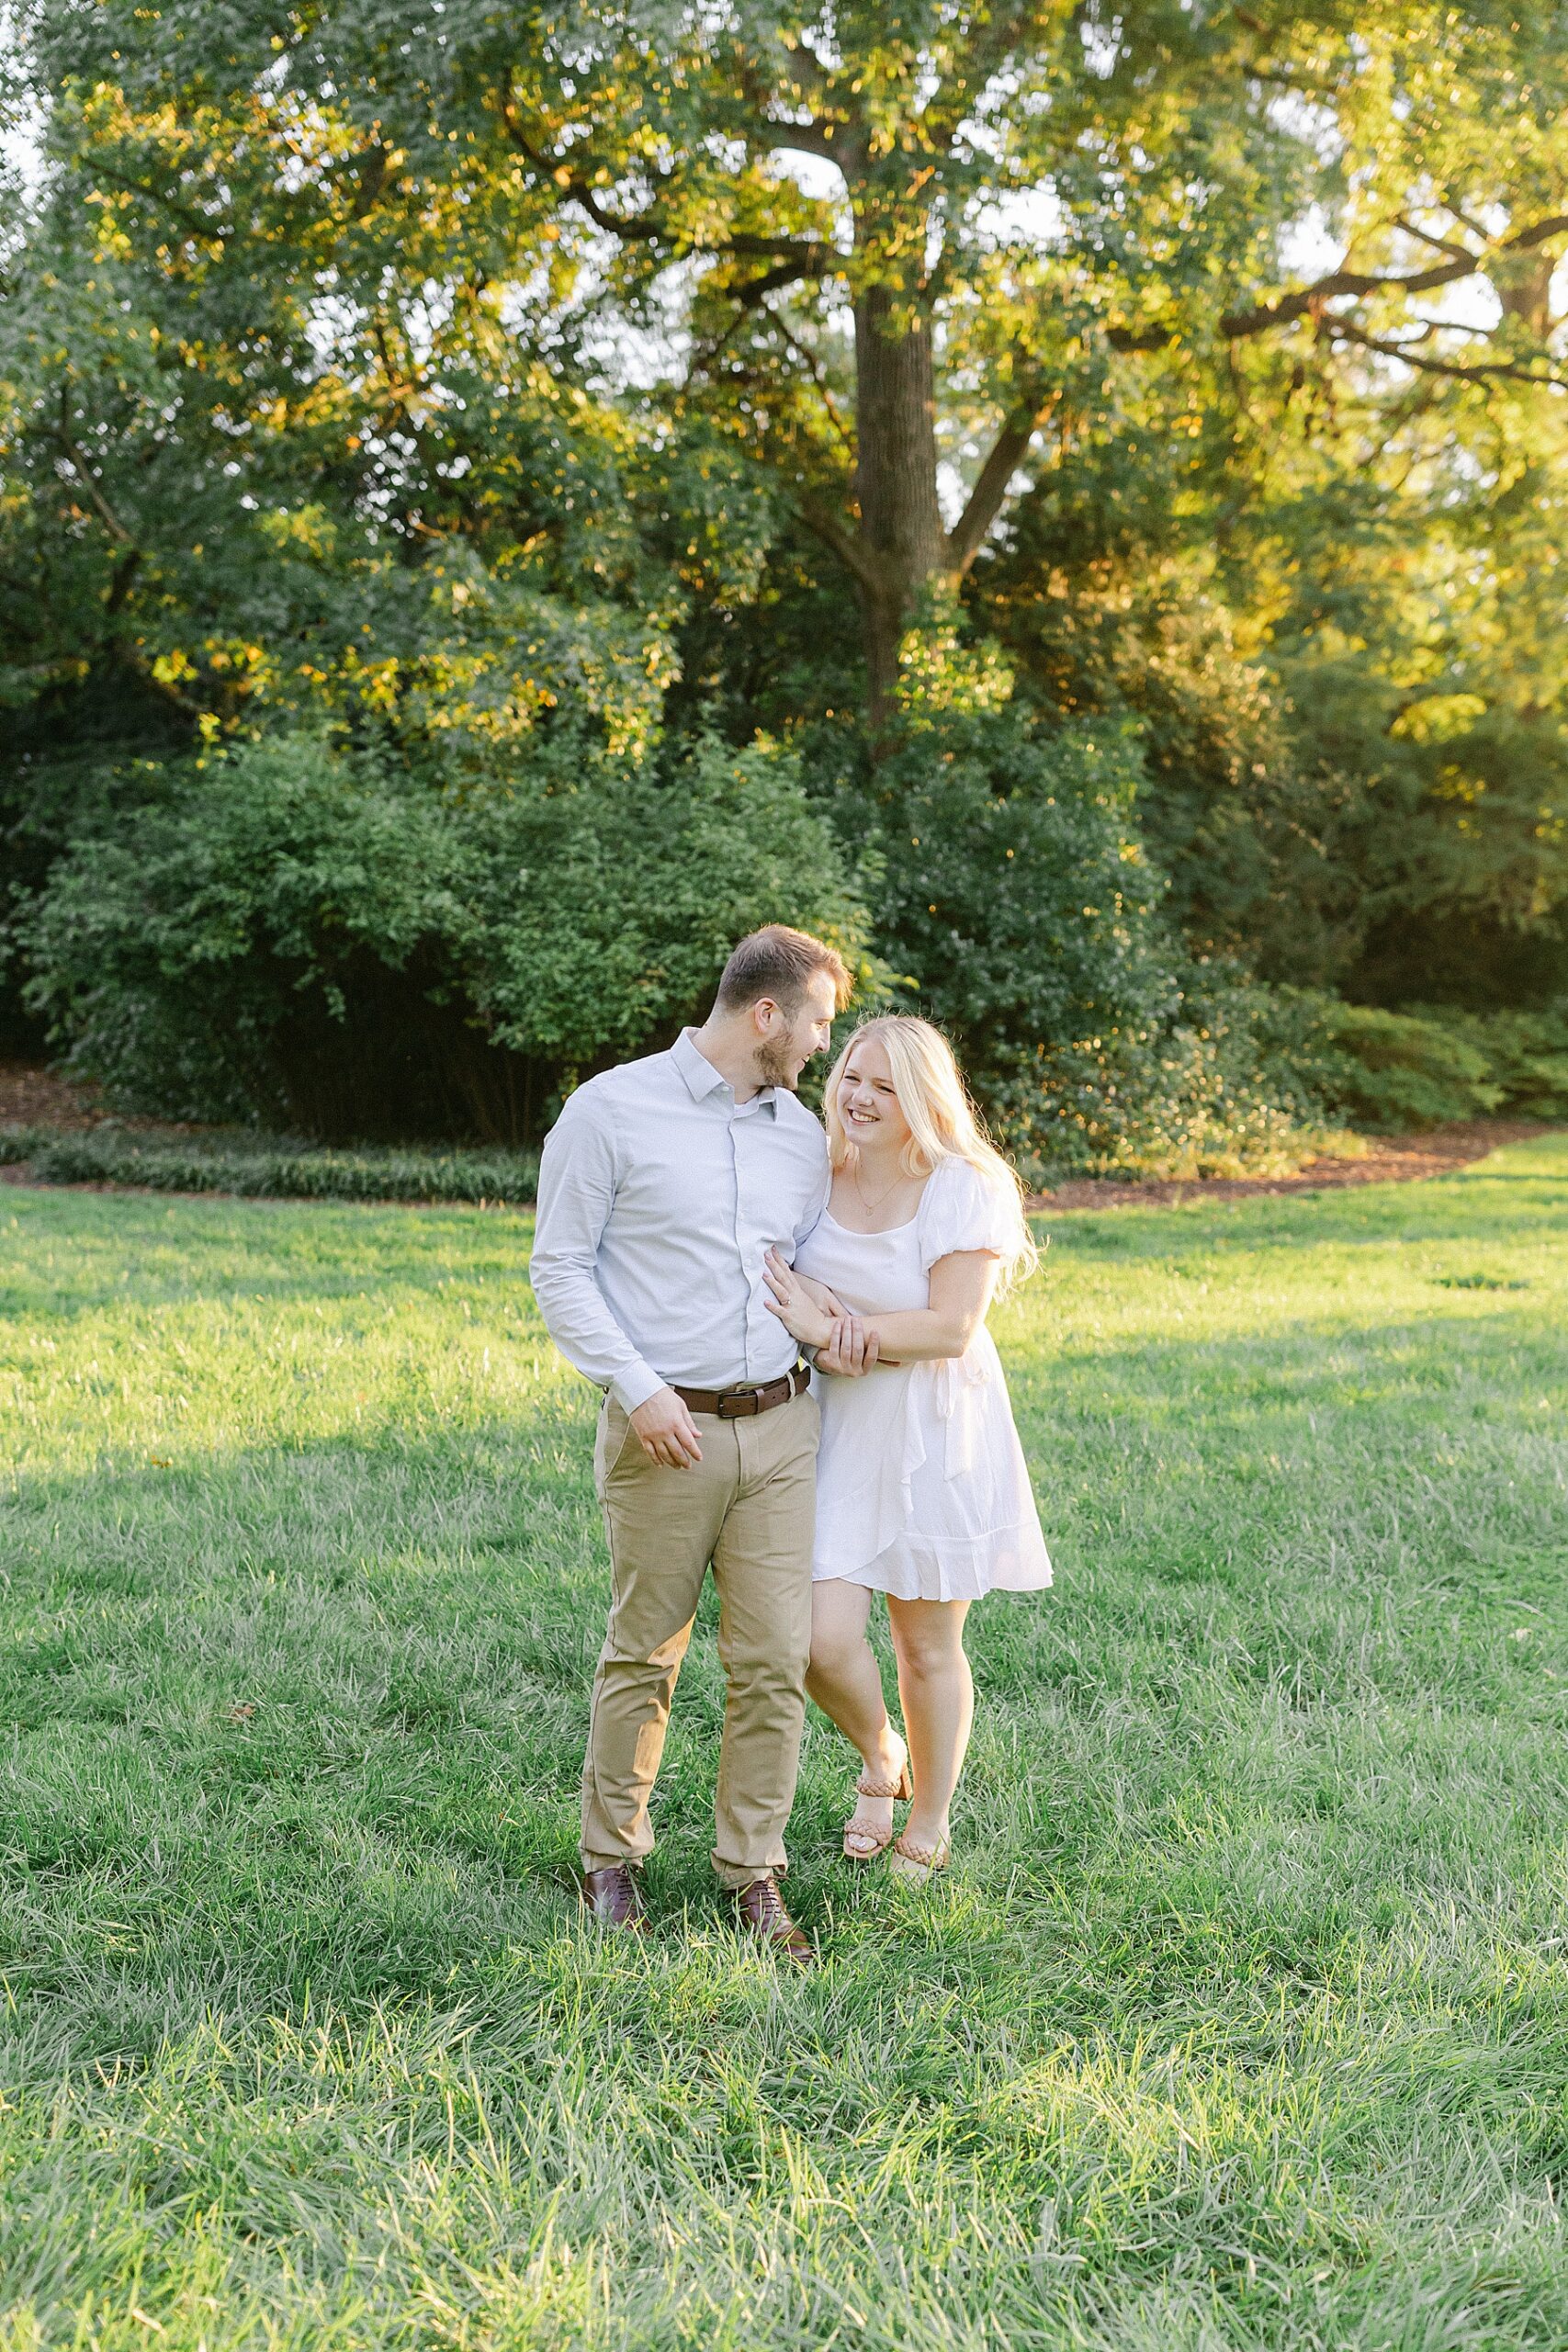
{"x": 846, "y": 1682}
{"x": 938, "y": 1694}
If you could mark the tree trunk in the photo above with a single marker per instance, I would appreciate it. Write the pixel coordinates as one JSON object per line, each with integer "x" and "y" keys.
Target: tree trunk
{"x": 901, "y": 537}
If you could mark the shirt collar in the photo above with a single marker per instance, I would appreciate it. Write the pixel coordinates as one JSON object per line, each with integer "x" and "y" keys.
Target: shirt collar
{"x": 702, "y": 1079}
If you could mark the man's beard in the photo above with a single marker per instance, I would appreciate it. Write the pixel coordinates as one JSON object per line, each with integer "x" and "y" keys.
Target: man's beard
{"x": 772, "y": 1066}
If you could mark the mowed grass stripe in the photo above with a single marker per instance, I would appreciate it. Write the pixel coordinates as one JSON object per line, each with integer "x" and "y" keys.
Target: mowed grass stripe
{"x": 1243, "y": 2020}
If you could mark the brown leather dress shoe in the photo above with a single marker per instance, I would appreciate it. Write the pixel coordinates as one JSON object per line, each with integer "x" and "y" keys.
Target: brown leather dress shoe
{"x": 615, "y": 1898}
{"x": 763, "y": 1914}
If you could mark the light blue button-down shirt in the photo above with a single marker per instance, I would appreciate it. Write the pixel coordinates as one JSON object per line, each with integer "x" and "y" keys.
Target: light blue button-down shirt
{"x": 659, "y": 1195}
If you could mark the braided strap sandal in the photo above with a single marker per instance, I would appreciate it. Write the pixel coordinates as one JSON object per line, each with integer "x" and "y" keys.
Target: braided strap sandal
{"x": 862, "y": 1844}
{"x": 917, "y": 1865}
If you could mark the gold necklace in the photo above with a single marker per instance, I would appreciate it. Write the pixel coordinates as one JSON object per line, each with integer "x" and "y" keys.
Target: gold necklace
{"x": 873, "y": 1206}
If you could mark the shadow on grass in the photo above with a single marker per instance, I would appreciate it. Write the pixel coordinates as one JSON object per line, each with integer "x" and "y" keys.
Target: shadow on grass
{"x": 1496, "y": 1202}
{"x": 296, "y": 1721}
{"x": 1516, "y": 1197}
{"x": 1238, "y": 2020}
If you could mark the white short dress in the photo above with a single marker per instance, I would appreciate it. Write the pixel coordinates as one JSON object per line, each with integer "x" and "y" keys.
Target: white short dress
{"x": 922, "y": 1490}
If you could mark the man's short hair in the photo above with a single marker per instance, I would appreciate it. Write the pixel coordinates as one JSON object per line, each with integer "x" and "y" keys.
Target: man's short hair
{"x": 778, "y": 962}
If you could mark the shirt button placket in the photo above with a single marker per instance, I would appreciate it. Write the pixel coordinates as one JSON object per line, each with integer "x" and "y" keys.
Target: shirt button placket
{"x": 757, "y": 1318}
{"x": 736, "y": 1167}
{"x": 742, "y": 1237}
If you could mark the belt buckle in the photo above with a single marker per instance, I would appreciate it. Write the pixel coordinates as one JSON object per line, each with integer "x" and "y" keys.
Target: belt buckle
{"x": 738, "y": 1403}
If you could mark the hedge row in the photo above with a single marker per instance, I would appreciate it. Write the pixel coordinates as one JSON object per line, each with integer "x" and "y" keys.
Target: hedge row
{"x": 256, "y": 1170}
{"x": 1393, "y": 1071}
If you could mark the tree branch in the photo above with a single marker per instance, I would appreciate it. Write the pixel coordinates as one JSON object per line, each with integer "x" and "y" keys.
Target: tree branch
{"x": 196, "y": 225}
{"x": 1432, "y": 364}
{"x": 806, "y": 69}
{"x": 810, "y": 262}
{"x": 809, "y": 137}
{"x": 1283, "y": 77}
{"x": 845, "y": 544}
{"x": 1438, "y": 245}
{"x": 78, "y": 466}
{"x": 1238, "y": 324}
{"x": 813, "y": 137}
{"x": 1476, "y": 228}
{"x": 120, "y": 586}
{"x": 640, "y": 228}
{"x": 373, "y": 167}
{"x": 651, "y": 228}
{"x": 814, "y": 369}
{"x": 984, "y": 500}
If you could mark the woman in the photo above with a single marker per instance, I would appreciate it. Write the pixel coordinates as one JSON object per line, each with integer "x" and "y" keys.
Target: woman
{"x": 921, "y": 1488}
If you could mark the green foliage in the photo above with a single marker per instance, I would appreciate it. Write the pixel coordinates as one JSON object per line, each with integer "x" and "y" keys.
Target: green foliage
{"x": 1525, "y": 1054}
{"x": 272, "y": 1171}
{"x": 338, "y": 940}
{"x": 1443, "y": 819}
{"x": 1392, "y": 1070}
{"x": 258, "y": 490}
{"x": 476, "y": 388}
{"x": 198, "y": 953}
{"x": 1018, "y": 890}
{"x": 611, "y": 900}
{"x": 1015, "y": 888}
{"x": 1350, "y": 714}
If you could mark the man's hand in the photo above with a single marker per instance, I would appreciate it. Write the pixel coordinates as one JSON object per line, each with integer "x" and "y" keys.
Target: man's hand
{"x": 666, "y": 1430}
{"x": 850, "y": 1349}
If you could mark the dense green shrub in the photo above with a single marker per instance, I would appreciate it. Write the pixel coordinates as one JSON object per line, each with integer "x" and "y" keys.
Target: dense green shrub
{"x": 350, "y": 946}
{"x": 1526, "y": 1053}
{"x": 331, "y": 941}
{"x": 1402, "y": 1073}
{"x": 1395, "y": 1070}
{"x": 1382, "y": 1071}
{"x": 609, "y": 901}
{"x": 1019, "y": 895}
{"x": 343, "y": 945}
{"x": 197, "y": 954}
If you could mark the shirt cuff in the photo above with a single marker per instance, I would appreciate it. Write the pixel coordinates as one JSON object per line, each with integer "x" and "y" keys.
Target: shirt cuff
{"x": 636, "y": 1385}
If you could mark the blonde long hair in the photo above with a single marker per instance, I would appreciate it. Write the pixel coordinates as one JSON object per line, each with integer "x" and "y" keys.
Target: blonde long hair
{"x": 943, "y": 1123}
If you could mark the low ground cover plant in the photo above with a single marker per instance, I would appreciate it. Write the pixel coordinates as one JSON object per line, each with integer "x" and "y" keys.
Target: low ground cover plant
{"x": 263, "y": 1169}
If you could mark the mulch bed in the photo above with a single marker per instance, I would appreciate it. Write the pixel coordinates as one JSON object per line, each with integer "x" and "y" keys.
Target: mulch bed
{"x": 31, "y": 1097}
{"x": 1389, "y": 1160}
{"x": 36, "y": 1098}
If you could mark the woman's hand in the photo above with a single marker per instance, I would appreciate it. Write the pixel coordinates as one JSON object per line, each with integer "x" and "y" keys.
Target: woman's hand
{"x": 810, "y": 1313}
{"x": 799, "y": 1313}
{"x": 818, "y": 1293}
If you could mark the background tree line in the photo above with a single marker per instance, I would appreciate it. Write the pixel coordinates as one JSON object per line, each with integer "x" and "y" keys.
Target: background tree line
{"x": 1068, "y": 500}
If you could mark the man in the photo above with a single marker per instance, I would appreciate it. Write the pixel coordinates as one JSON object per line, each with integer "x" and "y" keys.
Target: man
{"x": 664, "y": 1184}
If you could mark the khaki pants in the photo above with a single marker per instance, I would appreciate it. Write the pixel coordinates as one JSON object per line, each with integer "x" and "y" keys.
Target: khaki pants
{"x": 748, "y": 1507}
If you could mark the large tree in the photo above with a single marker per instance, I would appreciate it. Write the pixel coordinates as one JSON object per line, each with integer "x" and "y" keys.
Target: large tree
{"x": 896, "y": 253}
{"x": 1005, "y": 203}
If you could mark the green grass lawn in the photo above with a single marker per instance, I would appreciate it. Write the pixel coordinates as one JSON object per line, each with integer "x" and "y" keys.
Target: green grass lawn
{"x": 1242, "y": 2020}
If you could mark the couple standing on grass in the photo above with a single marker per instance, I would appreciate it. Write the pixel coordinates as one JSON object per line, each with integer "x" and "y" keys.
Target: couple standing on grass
{"x": 698, "y": 1233}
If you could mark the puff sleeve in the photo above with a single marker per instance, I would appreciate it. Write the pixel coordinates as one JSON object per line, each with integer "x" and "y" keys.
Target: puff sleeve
{"x": 963, "y": 1209}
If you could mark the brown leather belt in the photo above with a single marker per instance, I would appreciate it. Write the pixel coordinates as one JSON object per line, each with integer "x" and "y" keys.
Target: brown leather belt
{"x": 739, "y": 1403}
